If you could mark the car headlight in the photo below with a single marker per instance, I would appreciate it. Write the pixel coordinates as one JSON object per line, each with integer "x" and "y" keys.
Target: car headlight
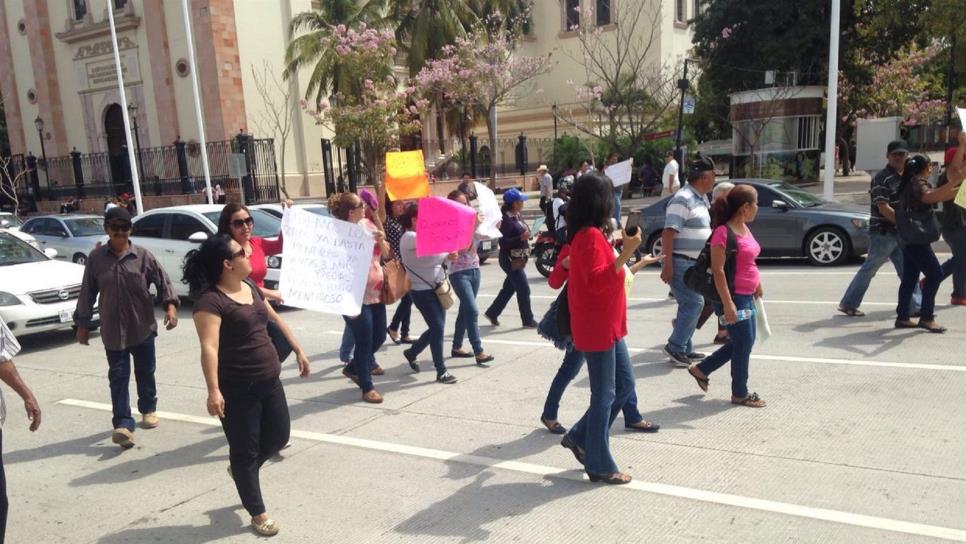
{"x": 6, "y": 299}
{"x": 860, "y": 223}
{"x": 275, "y": 261}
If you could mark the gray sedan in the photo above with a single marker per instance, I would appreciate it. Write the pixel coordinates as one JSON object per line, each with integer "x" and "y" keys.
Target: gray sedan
{"x": 73, "y": 235}
{"x": 791, "y": 222}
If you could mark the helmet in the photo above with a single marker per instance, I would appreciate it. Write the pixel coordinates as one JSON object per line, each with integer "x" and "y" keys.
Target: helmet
{"x": 566, "y": 184}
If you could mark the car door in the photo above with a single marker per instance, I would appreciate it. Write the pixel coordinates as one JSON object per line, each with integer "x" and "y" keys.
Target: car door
{"x": 148, "y": 232}
{"x": 180, "y": 227}
{"x": 49, "y": 233}
{"x": 771, "y": 223}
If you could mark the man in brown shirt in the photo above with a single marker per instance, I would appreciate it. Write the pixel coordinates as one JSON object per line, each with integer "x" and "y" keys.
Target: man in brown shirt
{"x": 121, "y": 273}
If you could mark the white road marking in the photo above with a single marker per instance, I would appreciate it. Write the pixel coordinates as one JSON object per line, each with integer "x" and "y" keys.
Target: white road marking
{"x": 726, "y": 499}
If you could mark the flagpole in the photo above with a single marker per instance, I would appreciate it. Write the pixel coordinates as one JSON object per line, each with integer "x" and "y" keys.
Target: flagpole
{"x": 132, "y": 159}
{"x": 831, "y": 119}
{"x": 193, "y": 68}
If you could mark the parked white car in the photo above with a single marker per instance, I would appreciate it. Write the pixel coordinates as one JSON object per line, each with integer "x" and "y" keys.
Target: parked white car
{"x": 73, "y": 236}
{"x": 170, "y": 233}
{"x": 277, "y": 210}
{"x": 11, "y": 224}
{"x": 37, "y": 293}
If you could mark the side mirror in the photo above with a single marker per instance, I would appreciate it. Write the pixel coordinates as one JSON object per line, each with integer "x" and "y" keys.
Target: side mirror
{"x": 62, "y": 234}
{"x": 50, "y": 252}
{"x": 198, "y": 237}
{"x": 4, "y": 223}
{"x": 780, "y": 204}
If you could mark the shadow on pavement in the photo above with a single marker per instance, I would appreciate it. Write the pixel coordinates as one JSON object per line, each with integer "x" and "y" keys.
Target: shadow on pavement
{"x": 225, "y": 522}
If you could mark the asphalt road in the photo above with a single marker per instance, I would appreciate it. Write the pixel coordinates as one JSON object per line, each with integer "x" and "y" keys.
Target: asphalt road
{"x": 862, "y": 439}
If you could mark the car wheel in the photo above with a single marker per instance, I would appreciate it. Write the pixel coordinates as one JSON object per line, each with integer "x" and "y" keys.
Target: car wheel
{"x": 80, "y": 259}
{"x": 827, "y": 246}
{"x": 655, "y": 245}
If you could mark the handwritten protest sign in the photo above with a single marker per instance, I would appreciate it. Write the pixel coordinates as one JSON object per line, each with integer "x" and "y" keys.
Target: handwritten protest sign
{"x": 406, "y": 175}
{"x": 620, "y": 173}
{"x": 490, "y": 209}
{"x": 325, "y": 263}
{"x": 443, "y": 226}
{"x": 961, "y": 195}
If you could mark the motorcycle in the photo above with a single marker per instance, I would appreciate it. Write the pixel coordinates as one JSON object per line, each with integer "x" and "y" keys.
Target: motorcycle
{"x": 546, "y": 248}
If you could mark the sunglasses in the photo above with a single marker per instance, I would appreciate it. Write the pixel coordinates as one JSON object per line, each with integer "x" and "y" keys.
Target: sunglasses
{"x": 120, "y": 227}
{"x": 359, "y": 206}
{"x": 239, "y": 223}
{"x": 237, "y": 254}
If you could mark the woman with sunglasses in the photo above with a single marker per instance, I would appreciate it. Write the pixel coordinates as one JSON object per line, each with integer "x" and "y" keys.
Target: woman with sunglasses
{"x": 240, "y": 365}
{"x": 237, "y": 222}
{"x": 369, "y": 327}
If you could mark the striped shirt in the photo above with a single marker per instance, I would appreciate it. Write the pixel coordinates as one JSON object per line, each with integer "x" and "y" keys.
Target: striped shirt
{"x": 689, "y": 213}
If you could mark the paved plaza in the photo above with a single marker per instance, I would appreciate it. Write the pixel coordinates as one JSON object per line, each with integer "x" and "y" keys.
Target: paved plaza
{"x": 862, "y": 439}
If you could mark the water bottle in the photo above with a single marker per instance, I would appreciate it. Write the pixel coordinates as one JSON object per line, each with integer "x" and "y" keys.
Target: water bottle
{"x": 743, "y": 314}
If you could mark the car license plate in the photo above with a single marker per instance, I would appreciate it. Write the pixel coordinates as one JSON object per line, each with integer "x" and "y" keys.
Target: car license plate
{"x": 65, "y": 316}
{"x": 486, "y": 245}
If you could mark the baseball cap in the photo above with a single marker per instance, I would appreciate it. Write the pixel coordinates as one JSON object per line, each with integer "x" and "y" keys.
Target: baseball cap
{"x": 117, "y": 214}
{"x": 897, "y": 146}
{"x": 702, "y": 164}
{"x": 514, "y": 195}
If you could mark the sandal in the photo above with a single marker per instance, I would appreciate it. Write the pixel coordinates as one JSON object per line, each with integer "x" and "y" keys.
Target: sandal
{"x": 851, "y": 312}
{"x": 935, "y": 330}
{"x": 394, "y": 336}
{"x": 702, "y": 382}
{"x": 269, "y": 527}
{"x": 573, "y": 447}
{"x": 751, "y": 401}
{"x": 556, "y": 428}
{"x": 907, "y": 324}
{"x": 407, "y": 340}
{"x": 460, "y": 354}
{"x": 483, "y": 358}
{"x": 721, "y": 338}
{"x": 614, "y": 478}
{"x": 643, "y": 426}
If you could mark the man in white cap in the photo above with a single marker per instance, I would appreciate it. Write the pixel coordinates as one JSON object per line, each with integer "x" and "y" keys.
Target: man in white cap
{"x": 545, "y": 180}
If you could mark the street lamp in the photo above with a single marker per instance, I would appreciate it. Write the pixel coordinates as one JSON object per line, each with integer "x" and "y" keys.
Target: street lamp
{"x": 39, "y": 123}
{"x": 683, "y": 84}
{"x": 554, "y": 108}
{"x": 132, "y": 111}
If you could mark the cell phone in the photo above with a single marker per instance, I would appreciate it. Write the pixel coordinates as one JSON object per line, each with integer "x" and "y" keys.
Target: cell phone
{"x": 633, "y": 220}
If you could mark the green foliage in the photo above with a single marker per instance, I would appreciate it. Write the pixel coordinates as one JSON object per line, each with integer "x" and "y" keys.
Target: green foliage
{"x": 567, "y": 152}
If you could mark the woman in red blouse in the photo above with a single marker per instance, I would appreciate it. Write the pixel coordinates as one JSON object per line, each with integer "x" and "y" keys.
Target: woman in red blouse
{"x": 598, "y": 323}
{"x": 237, "y": 222}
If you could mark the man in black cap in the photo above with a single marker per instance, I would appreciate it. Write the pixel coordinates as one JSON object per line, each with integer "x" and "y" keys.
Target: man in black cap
{"x": 121, "y": 273}
{"x": 883, "y": 242}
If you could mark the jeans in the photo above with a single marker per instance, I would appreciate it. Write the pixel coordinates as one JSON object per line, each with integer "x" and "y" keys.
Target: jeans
{"x": 435, "y": 317}
{"x": 741, "y": 338}
{"x": 256, "y": 424}
{"x": 119, "y": 376}
{"x": 918, "y": 258}
{"x": 4, "y": 503}
{"x": 568, "y": 370}
{"x": 956, "y": 266}
{"x": 348, "y": 342}
{"x": 369, "y": 331}
{"x": 402, "y": 316}
{"x": 882, "y": 248}
{"x": 515, "y": 282}
{"x": 617, "y": 207}
{"x": 466, "y": 285}
{"x": 690, "y": 304}
{"x": 611, "y": 384}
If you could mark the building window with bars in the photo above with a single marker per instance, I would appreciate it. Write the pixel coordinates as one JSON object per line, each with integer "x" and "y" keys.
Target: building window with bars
{"x": 604, "y": 12}
{"x": 680, "y": 11}
{"x": 80, "y": 9}
{"x": 571, "y": 15}
{"x": 119, "y": 4}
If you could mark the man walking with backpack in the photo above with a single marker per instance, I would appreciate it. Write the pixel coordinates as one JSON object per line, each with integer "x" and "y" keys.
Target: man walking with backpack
{"x": 687, "y": 226}
{"x": 883, "y": 241}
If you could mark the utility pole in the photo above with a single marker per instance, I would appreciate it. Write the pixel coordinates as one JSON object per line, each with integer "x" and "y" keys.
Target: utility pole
{"x": 833, "y": 102}
{"x": 683, "y": 84}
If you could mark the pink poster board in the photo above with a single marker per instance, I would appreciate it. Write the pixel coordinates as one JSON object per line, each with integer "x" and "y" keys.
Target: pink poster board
{"x": 443, "y": 226}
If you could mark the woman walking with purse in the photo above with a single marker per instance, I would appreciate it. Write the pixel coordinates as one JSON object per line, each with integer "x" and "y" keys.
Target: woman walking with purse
{"x": 429, "y": 284}
{"x": 240, "y": 365}
{"x": 514, "y": 251}
{"x": 918, "y": 228}
{"x": 464, "y": 275}
{"x": 369, "y": 327}
{"x": 399, "y": 327}
{"x": 737, "y": 282}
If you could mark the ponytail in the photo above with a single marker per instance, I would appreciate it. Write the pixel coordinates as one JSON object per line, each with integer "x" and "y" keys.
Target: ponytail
{"x": 727, "y": 205}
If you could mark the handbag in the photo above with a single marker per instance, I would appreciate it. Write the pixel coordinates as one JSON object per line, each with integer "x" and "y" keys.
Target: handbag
{"x": 700, "y": 278}
{"x": 443, "y": 290}
{"x": 396, "y": 282}
{"x": 518, "y": 259}
{"x": 762, "y": 328}
{"x": 917, "y": 227}
{"x": 555, "y": 323}
{"x": 282, "y": 345}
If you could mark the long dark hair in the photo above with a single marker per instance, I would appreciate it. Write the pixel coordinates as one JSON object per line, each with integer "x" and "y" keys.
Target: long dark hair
{"x": 203, "y": 267}
{"x": 915, "y": 166}
{"x": 591, "y": 204}
{"x": 408, "y": 218}
{"x": 224, "y": 220}
{"x": 727, "y": 205}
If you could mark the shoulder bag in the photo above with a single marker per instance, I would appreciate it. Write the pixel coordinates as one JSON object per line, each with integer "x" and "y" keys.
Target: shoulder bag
{"x": 396, "y": 282}
{"x": 916, "y": 223}
{"x": 443, "y": 290}
{"x": 555, "y": 323}
{"x": 281, "y": 344}
{"x": 700, "y": 278}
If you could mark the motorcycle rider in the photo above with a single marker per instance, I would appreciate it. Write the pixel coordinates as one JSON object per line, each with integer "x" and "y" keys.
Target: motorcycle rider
{"x": 559, "y": 208}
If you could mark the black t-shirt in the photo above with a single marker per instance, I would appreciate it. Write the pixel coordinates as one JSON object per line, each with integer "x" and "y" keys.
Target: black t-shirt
{"x": 884, "y": 188}
{"x": 245, "y": 351}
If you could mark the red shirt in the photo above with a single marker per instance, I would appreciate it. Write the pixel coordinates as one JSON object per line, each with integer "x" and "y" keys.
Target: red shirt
{"x": 560, "y": 274}
{"x": 260, "y": 248}
{"x": 595, "y": 293}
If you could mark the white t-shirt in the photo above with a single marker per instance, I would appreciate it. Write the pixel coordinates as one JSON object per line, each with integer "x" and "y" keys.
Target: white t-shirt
{"x": 558, "y": 220}
{"x": 671, "y": 169}
{"x": 546, "y": 185}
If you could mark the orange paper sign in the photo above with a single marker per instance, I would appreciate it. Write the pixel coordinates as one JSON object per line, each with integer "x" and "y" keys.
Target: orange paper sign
{"x": 406, "y": 175}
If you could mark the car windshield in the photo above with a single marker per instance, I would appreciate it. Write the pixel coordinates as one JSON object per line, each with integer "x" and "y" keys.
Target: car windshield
{"x": 266, "y": 224}
{"x": 16, "y": 251}
{"x": 85, "y": 226}
{"x": 802, "y": 197}
{"x": 324, "y": 212}
{"x": 12, "y": 220}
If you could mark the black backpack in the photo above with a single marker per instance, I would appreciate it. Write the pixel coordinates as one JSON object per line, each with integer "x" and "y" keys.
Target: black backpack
{"x": 699, "y": 277}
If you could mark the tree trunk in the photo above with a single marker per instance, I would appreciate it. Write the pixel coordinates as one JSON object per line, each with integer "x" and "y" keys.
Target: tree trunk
{"x": 491, "y": 129}
{"x": 281, "y": 164}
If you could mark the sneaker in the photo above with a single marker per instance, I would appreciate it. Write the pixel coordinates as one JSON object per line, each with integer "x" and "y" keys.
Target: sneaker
{"x": 411, "y": 358}
{"x": 123, "y": 437}
{"x": 696, "y": 356}
{"x": 678, "y": 358}
{"x": 150, "y": 420}
{"x": 372, "y": 397}
{"x": 446, "y": 378}
{"x": 958, "y": 301}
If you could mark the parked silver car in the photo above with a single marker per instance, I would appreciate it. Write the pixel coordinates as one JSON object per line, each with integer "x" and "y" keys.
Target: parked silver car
{"x": 72, "y": 235}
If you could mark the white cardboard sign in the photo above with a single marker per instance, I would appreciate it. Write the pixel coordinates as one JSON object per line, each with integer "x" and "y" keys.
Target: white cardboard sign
{"x": 620, "y": 173}
{"x": 490, "y": 209}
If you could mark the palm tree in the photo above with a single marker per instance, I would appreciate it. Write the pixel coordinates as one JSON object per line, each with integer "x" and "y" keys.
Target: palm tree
{"x": 308, "y": 49}
{"x": 425, "y": 27}
{"x": 514, "y": 14}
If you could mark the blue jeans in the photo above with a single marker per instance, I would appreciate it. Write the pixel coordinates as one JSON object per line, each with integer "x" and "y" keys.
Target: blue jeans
{"x": 741, "y": 338}
{"x": 956, "y": 266}
{"x": 369, "y": 332}
{"x": 882, "y": 248}
{"x": 345, "y": 348}
{"x": 435, "y": 317}
{"x": 690, "y": 304}
{"x": 515, "y": 282}
{"x": 572, "y": 362}
{"x": 402, "y": 316}
{"x": 617, "y": 207}
{"x": 918, "y": 258}
{"x": 611, "y": 384}
{"x": 466, "y": 285}
{"x": 119, "y": 376}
